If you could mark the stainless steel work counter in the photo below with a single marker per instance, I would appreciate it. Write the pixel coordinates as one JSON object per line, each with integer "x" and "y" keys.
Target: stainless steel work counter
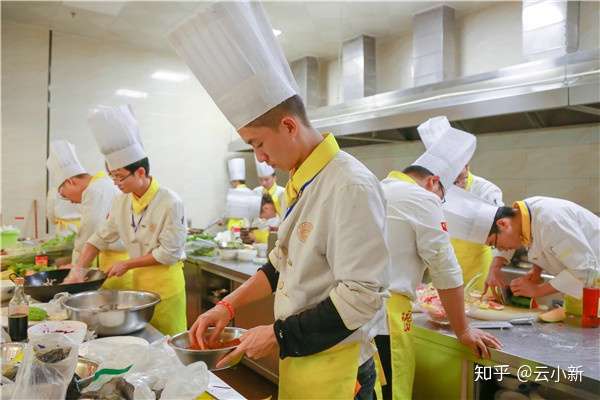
{"x": 556, "y": 345}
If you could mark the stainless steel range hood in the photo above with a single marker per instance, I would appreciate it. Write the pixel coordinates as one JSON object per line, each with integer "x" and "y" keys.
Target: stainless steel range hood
{"x": 547, "y": 93}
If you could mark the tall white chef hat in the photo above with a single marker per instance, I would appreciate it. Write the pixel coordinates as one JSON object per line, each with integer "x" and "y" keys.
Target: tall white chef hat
{"x": 263, "y": 169}
{"x": 62, "y": 162}
{"x": 468, "y": 217}
{"x": 433, "y": 130}
{"x": 237, "y": 169}
{"x": 448, "y": 156}
{"x": 117, "y": 134}
{"x": 231, "y": 49}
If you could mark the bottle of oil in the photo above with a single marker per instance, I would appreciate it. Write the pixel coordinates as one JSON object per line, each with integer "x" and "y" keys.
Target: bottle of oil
{"x": 18, "y": 313}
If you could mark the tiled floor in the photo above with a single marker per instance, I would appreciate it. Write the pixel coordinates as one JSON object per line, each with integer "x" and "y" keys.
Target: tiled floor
{"x": 248, "y": 383}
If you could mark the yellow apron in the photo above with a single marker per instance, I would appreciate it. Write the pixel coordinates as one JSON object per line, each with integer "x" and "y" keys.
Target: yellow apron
{"x": 261, "y": 235}
{"x": 473, "y": 258}
{"x": 399, "y": 316}
{"x": 235, "y": 222}
{"x": 330, "y": 374}
{"x": 168, "y": 282}
{"x": 106, "y": 259}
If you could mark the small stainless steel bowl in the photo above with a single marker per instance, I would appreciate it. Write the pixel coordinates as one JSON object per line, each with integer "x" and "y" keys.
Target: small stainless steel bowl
{"x": 85, "y": 370}
{"x": 112, "y": 312}
{"x": 180, "y": 344}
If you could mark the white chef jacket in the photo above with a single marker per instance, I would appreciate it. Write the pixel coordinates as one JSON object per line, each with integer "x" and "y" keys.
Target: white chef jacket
{"x": 59, "y": 208}
{"x": 96, "y": 201}
{"x": 160, "y": 228}
{"x": 333, "y": 244}
{"x": 565, "y": 241}
{"x": 488, "y": 192}
{"x": 417, "y": 239}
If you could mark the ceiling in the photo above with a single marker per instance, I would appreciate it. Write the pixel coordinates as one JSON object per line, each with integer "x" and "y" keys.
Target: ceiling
{"x": 308, "y": 27}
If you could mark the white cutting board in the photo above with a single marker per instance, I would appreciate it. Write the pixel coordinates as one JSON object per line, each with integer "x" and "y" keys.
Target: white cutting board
{"x": 506, "y": 314}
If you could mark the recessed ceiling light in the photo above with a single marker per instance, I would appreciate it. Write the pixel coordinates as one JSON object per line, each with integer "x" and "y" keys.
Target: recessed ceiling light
{"x": 276, "y": 32}
{"x": 170, "y": 76}
{"x": 131, "y": 93}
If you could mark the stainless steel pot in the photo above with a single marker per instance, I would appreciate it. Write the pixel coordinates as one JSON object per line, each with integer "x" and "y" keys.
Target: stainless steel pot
{"x": 112, "y": 312}
{"x": 180, "y": 344}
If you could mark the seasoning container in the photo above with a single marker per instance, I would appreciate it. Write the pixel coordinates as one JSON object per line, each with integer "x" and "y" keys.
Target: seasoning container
{"x": 18, "y": 313}
{"x": 590, "y": 315}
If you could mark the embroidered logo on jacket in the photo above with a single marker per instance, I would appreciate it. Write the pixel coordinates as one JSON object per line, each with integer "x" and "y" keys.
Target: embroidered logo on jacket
{"x": 444, "y": 226}
{"x": 304, "y": 230}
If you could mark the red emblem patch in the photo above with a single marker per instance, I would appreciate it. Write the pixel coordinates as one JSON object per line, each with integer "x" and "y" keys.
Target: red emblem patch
{"x": 444, "y": 227}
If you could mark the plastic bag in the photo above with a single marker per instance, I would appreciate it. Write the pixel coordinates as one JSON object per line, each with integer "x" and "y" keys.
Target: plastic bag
{"x": 115, "y": 357}
{"x": 47, "y": 368}
{"x": 7, "y": 388}
{"x": 165, "y": 372}
{"x": 188, "y": 383}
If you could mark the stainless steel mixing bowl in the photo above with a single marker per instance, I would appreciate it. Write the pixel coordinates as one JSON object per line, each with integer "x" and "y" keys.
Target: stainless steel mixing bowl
{"x": 112, "y": 312}
{"x": 180, "y": 344}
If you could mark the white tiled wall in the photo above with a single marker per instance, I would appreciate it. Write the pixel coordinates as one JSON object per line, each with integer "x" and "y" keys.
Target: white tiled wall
{"x": 24, "y": 93}
{"x": 558, "y": 162}
{"x": 184, "y": 133}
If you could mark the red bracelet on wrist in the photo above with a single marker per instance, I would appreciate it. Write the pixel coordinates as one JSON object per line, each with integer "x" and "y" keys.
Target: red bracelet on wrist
{"x": 228, "y": 306}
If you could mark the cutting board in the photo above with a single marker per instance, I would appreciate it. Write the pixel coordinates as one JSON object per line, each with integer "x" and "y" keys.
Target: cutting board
{"x": 505, "y": 314}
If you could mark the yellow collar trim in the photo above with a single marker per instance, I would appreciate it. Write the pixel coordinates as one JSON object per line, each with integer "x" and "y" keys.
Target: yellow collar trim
{"x": 99, "y": 175}
{"x": 401, "y": 176}
{"x": 469, "y": 183}
{"x": 274, "y": 196}
{"x": 314, "y": 163}
{"x": 241, "y": 186}
{"x": 525, "y": 222}
{"x": 140, "y": 204}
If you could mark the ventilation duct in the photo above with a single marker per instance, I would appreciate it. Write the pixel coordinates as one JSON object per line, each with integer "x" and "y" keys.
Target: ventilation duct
{"x": 434, "y": 47}
{"x": 358, "y": 68}
{"x": 550, "y": 28}
{"x": 306, "y": 72}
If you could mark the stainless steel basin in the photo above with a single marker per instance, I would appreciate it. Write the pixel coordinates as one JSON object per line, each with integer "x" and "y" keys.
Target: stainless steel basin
{"x": 112, "y": 312}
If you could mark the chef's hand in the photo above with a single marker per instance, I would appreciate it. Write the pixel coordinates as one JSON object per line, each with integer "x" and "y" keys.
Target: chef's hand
{"x": 217, "y": 317}
{"x": 479, "y": 341}
{"x": 118, "y": 269}
{"x": 523, "y": 286}
{"x": 66, "y": 266}
{"x": 535, "y": 274}
{"x": 495, "y": 278}
{"x": 256, "y": 343}
{"x": 76, "y": 275}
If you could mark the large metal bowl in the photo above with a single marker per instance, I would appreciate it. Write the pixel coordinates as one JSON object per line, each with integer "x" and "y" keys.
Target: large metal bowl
{"x": 181, "y": 344}
{"x": 112, "y": 312}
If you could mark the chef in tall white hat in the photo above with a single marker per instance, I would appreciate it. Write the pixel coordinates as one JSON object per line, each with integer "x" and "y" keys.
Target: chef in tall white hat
{"x": 268, "y": 185}
{"x": 474, "y": 258}
{"x": 237, "y": 173}
{"x": 147, "y": 217}
{"x": 561, "y": 237}
{"x": 418, "y": 241}
{"x": 328, "y": 282}
{"x": 94, "y": 194}
{"x": 61, "y": 213}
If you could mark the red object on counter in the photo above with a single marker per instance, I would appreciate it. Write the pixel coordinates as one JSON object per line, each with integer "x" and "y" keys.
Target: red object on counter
{"x": 590, "y": 316}
{"x": 41, "y": 260}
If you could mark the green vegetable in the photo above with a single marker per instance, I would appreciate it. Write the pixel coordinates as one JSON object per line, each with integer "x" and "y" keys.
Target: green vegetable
{"x": 521, "y": 301}
{"x": 21, "y": 269}
{"x": 203, "y": 251}
{"x": 200, "y": 236}
{"x": 37, "y": 314}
